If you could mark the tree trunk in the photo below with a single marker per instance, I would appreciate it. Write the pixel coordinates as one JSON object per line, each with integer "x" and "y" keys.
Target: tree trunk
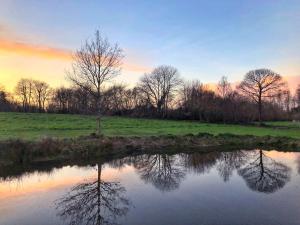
{"x": 259, "y": 108}
{"x": 99, "y": 114}
{"x": 259, "y": 111}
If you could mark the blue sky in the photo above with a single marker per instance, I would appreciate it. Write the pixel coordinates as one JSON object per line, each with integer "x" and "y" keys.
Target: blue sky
{"x": 203, "y": 39}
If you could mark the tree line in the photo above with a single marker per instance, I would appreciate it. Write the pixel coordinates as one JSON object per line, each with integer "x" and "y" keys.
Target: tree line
{"x": 161, "y": 93}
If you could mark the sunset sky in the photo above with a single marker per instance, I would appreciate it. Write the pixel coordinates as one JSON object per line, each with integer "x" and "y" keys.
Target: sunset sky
{"x": 203, "y": 39}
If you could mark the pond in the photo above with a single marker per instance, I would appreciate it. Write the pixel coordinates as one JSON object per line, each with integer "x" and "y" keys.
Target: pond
{"x": 240, "y": 187}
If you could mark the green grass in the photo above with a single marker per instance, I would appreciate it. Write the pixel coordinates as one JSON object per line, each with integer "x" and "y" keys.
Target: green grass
{"x": 33, "y": 126}
{"x": 287, "y": 124}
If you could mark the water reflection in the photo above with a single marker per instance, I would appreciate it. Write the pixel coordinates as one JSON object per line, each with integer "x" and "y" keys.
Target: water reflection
{"x": 165, "y": 172}
{"x": 298, "y": 164}
{"x": 264, "y": 174}
{"x": 230, "y": 161}
{"x": 201, "y": 187}
{"x": 200, "y": 163}
{"x": 94, "y": 202}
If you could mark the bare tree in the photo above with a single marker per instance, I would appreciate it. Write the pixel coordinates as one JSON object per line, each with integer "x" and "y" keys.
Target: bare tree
{"x": 97, "y": 62}
{"x": 24, "y": 90}
{"x": 224, "y": 87}
{"x": 62, "y": 99}
{"x": 298, "y": 95}
{"x": 159, "y": 87}
{"x": 41, "y": 93}
{"x": 198, "y": 101}
{"x": 261, "y": 84}
{"x": 5, "y": 104}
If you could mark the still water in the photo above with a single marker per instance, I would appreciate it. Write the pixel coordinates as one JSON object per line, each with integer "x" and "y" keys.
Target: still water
{"x": 242, "y": 187}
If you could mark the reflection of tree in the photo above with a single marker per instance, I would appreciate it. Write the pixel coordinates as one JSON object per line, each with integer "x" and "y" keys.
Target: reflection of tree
{"x": 230, "y": 161}
{"x": 94, "y": 202}
{"x": 263, "y": 174}
{"x": 298, "y": 163}
{"x": 122, "y": 162}
{"x": 163, "y": 171}
{"x": 200, "y": 162}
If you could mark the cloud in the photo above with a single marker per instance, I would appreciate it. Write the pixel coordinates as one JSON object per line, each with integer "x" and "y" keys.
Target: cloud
{"x": 27, "y": 49}
{"x": 46, "y": 52}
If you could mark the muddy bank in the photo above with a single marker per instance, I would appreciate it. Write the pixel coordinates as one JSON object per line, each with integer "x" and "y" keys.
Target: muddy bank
{"x": 90, "y": 147}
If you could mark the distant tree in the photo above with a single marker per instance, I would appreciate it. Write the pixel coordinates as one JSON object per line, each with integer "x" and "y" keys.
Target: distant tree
{"x": 42, "y": 93}
{"x": 224, "y": 87}
{"x": 95, "y": 63}
{"x": 62, "y": 97}
{"x": 5, "y": 104}
{"x": 114, "y": 99}
{"x": 24, "y": 91}
{"x": 3, "y": 94}
{"x": 261, "y": 84}
{"x": 198, "y": 102}
{"x": 159, "y": 87}
{"x": 298, "y": 95}
{"x": 286, "y": 100}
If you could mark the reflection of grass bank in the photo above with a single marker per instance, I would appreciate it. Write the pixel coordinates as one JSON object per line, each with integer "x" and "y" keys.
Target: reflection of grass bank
{"x": 23, "y": 152}
{"x": 35, "y": 126}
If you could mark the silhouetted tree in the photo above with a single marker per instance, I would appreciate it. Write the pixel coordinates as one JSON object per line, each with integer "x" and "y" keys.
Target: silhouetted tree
{"x": 5, "y": 104}
{"x": 159, "y": 87}
{"x": 42, "y": 93}
{"x": 25, "y": 91}
{"x": 261, "y": 84}
{"x": 97, "y": 62}
{"x": 298, "y": 96}
{"x": 62, "y": 99}
{"x": 198, "y": 102}
{"x": 224, "y": 88}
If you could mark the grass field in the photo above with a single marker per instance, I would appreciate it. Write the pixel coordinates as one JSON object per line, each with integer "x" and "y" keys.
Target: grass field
{"x": 33, "y": 126}
{"x": 284, "y": 124}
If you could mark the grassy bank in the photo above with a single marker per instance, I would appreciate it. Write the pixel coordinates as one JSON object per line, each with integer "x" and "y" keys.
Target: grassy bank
{"x": 36, "y": 126}
{"x": 45, "y": 150}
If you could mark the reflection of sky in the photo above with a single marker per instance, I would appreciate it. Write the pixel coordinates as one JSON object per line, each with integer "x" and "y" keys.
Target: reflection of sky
{"x": 200, "y": 197}
{"x": 204, "y": 39}
{"x": 59, "y": 178}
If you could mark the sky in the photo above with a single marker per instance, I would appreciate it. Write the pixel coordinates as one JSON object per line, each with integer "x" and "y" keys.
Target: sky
{"x": 203, "y": 39}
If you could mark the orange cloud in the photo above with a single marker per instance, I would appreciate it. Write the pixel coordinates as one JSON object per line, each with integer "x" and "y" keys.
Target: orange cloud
{"x": 21, "y": 48}
{"x": 34, "y": 50}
